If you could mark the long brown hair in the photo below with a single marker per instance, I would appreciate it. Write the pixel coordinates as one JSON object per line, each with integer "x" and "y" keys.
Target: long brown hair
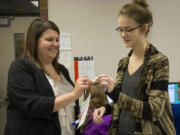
{"x": 35, "y": 30}
{"x": 139, "y": 12}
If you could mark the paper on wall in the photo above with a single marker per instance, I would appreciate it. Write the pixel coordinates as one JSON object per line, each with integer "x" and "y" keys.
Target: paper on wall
{"x": 65, "y": 58}
{"x": 65, "y": 41}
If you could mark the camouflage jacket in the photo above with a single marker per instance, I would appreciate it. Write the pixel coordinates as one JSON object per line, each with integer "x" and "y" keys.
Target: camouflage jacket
{"x": 152, "y": 110}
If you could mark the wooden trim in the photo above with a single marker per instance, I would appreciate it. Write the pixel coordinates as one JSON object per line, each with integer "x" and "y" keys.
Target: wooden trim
{"x": 43, "y": 8}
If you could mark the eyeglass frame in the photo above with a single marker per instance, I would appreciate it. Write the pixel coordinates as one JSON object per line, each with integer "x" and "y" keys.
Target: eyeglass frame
{"x": 128, "y": 30}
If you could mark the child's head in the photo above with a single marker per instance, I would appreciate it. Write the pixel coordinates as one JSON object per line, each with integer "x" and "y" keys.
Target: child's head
{"x": 98, "y": 97}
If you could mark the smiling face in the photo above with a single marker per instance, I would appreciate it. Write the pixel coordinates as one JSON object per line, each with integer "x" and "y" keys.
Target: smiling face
{"x": 48, "y": 46}
{"x": 130, "y": 31}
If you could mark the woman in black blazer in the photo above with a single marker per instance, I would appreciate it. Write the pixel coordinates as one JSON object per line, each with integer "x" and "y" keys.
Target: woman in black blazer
{"x": 33, "y": 102}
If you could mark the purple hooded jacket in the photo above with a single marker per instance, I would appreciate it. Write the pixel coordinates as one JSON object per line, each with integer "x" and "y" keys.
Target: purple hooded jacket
{"x": 97, "y": 129}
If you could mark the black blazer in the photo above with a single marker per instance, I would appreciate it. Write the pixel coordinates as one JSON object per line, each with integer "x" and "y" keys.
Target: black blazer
{"x": 31, "y": 100}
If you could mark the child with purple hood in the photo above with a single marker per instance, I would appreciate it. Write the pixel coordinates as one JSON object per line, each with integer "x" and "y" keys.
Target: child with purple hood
{"x": 98, "y": 98}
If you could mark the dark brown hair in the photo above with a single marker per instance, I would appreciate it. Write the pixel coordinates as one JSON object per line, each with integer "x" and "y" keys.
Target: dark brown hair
{"x": 35, "y": 31}
{"x": 138, "y": 11}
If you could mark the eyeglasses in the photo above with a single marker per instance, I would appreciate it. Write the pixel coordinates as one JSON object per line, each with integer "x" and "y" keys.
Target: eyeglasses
{"x": 127, "y": 30}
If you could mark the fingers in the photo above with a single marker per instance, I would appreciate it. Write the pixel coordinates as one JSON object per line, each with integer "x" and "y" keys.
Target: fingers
{"x": 106, "y": 78}
{"x": 96, "y": 118}
{"x": 84, "y": 82}
{"x": 106, "y": 81}
{"x": 97, "y": 115}
{"x": 79, "y": 116}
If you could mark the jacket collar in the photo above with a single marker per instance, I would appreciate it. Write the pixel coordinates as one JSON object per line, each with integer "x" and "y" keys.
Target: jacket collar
{"x": 150, "y": 50}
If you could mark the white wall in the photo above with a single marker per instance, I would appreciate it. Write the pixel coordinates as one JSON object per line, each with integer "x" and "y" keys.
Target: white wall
{"x": 166, "y": 32}
{"x": 92, "y": 24}
{"x": 18, "y": 25}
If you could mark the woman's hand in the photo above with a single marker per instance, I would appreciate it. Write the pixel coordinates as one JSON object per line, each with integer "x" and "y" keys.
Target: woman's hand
{"x": 106, "y": 81}
{"x": 79, "y": 116}
{"x": 97, "y": 115}
{"x": 81, "y": 85}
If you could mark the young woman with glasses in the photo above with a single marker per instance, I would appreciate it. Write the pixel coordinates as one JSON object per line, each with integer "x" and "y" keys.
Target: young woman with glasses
{"x": 141, "y": 102}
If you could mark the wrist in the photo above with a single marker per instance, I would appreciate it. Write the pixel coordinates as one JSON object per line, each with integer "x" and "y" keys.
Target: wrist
{"x": 110, "y": 89}
{"x": 107, "y": 109}
{"x": 74, "y": 95}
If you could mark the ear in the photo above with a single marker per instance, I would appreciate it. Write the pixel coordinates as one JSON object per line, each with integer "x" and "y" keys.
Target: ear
{"x": 146, "y": 27}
